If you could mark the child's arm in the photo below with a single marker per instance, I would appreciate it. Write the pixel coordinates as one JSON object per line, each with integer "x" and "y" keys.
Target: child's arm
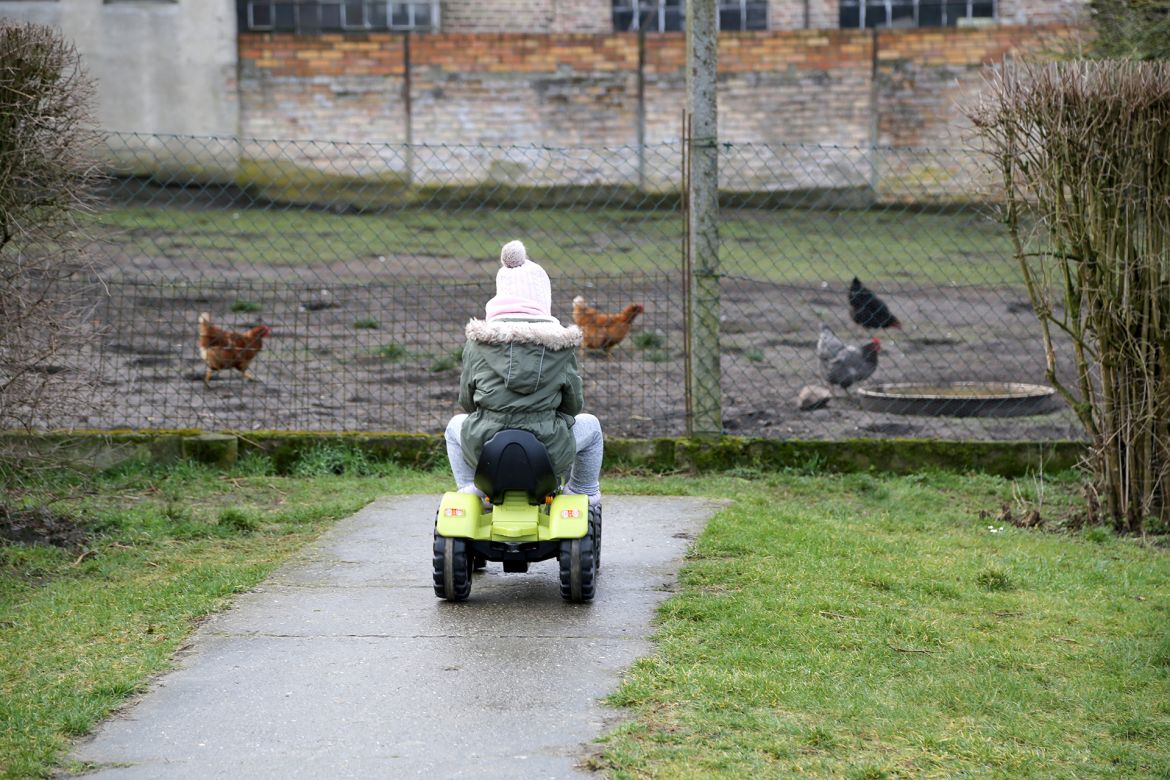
{"x": 572, "y": 396}
{"x": 467, "y": 382}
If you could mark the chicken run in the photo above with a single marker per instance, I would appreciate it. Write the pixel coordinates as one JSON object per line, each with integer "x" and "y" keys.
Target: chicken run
{"x": 379, "y": 354}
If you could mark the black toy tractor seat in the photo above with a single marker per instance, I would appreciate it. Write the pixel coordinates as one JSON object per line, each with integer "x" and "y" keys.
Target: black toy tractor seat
{"x": 514, "y": 460}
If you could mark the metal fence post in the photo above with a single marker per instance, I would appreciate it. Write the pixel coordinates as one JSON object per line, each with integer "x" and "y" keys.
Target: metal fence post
{"x": 407, "y": 109}
{"x": 703, "y": 376}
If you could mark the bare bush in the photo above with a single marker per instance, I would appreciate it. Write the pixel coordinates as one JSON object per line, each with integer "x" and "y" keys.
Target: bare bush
{"x": 46, "y": 178}
{"x": 1084, "y": 152}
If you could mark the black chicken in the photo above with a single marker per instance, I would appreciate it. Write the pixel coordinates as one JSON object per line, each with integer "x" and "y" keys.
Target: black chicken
{"x": 868, "y": 310}
{"x": 844, "y": 364}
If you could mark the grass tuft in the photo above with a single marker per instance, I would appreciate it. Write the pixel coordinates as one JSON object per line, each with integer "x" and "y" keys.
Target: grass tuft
{"x": 649, "y": 339}
{"x": 392, "y": 352}
{"x": 239, "y": 520}
{"x": 333, "y": 460}
{"x": 448, "y": 362}
{"x": 994, "y": 580}
{"x": 245, "y": 306}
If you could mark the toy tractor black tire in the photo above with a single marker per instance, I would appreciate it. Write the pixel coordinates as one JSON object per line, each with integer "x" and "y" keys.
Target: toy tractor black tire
{"x": 578, "y": 568}
{"x": 453, "y": 562}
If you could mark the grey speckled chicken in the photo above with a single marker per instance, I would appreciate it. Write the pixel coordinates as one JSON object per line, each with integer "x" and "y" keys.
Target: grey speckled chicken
{"x": 843, "y": 364}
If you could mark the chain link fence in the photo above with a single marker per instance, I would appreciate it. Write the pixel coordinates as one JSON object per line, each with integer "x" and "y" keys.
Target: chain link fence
{"x": 367, "y": 260}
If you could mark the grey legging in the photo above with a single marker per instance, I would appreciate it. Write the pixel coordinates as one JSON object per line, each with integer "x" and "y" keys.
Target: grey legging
{"x": 584, "y": 478}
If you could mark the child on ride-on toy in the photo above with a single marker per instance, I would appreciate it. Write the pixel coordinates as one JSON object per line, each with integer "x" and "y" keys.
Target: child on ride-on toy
{"x": 520, "y": 371}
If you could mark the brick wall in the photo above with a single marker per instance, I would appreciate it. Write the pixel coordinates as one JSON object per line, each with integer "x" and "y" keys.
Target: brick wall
{"x": 825, "y": 14}
{"x": 925, "y": 76}
{"x": 541, "y": 16}
{"x": 499, "y": 16}
{"x": 797, "y": 14}
{"x": 1040, "y": 12}
{"x": 328, "y": 86}
{"x": 564, "y": 90}
{"x": 583, "y": 16}
{"x": 595, "y": 16}
{"x": 808, "y": 87}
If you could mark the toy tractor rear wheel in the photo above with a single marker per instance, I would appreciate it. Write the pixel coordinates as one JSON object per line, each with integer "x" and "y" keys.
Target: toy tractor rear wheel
{"x": 595, "y": 523}
{"x": 578, "y": 568}
{"x": 452, "y": 561}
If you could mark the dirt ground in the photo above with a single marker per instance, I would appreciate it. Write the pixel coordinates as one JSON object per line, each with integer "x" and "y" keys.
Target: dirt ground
{"x": 326, "y": 368}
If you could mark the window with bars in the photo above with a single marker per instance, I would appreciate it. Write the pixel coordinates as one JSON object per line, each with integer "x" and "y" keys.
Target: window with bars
{"x": 315, "y": 16}
{"x": 913, "y": 13}
{"x": 670, "y": 15}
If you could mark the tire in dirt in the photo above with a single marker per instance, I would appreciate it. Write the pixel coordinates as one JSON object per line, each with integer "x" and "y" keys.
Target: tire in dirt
{"x": 578, "y": 568}
{"x": 452, "y": 561}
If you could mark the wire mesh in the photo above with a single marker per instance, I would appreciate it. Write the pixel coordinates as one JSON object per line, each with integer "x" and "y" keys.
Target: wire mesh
{"x": 367, "y": 260}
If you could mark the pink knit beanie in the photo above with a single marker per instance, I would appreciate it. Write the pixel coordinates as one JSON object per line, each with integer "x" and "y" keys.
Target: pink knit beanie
{"x": 522, "y": 287}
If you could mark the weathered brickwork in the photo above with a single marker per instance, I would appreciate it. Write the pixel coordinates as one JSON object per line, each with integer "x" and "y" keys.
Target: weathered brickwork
{"x": 571, "y": 90}
{"x": 924, "y": 77}
{"x": 302, "y": 56}
{"x": 798, "y": 15}
{"x": 538, "y": 16}
{"x": 1040, "y": 12}
{"x": 802, "y": 87}
{"x": 587, "y": 16}
{"x": 499, "y": 16}
{"x": 519, "y": 53}
{"x": 328, "y": 86}
{"x": 583, "y": 16}
{"x": 808, "y": 87}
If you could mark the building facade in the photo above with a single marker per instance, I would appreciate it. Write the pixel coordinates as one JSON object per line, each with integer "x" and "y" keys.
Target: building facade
{"x": 159, "y": 66}
{"x": 608, "y": 16}
{"x": 860, "y": 74}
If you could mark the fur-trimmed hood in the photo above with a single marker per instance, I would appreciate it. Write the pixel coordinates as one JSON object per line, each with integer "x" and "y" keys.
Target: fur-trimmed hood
{"x": 549, "y": 334}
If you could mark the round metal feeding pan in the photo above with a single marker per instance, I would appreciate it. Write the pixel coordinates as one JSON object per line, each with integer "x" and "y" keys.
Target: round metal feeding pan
{"x": 959, "y": 399}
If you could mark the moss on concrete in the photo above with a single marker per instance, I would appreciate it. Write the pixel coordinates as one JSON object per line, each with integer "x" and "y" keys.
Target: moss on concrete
{"x": 898, "y": 456}
{"x": 417, "y": 450}
{"x": 101, "y": 449}
{"x": 214, "y": 449}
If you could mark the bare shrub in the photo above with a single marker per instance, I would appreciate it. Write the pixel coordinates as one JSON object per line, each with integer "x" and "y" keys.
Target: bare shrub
{"x": 1084, "y": 152}
{"x": 47, "y": 174}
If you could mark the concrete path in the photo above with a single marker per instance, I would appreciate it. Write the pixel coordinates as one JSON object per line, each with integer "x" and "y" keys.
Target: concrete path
{"x": 344, "y": 664}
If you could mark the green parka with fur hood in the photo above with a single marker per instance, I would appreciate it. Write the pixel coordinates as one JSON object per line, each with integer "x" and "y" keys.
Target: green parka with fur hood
{"x": 521, "y": 373}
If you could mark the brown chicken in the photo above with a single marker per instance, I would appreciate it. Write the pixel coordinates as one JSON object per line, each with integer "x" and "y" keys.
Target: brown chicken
{"x": 603, "y": 331}
{"x": 222, "y": 349}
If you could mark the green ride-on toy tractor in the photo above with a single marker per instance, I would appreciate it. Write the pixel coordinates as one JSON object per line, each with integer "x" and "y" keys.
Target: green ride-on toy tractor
{"x": 528, "y": 521}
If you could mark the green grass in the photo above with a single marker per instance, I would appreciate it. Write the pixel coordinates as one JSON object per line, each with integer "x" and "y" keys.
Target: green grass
{"x": 391, "y": 351}
{"x": 861, "y": 627}
{"x": 785, "y": 245}
{"x": 81, "y": 631}
{"x": 245, "y": 306}
{"x": 648, "y": 339}
{"x": 847, "y": 626}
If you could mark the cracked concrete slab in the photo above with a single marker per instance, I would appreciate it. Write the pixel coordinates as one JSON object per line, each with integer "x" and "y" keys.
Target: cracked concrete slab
{"x": 344, "y": 664}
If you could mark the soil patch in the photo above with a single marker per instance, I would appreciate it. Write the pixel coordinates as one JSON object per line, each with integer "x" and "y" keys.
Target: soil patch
{"x": 361, "y": 349}
{"x": 40, "y": 525}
